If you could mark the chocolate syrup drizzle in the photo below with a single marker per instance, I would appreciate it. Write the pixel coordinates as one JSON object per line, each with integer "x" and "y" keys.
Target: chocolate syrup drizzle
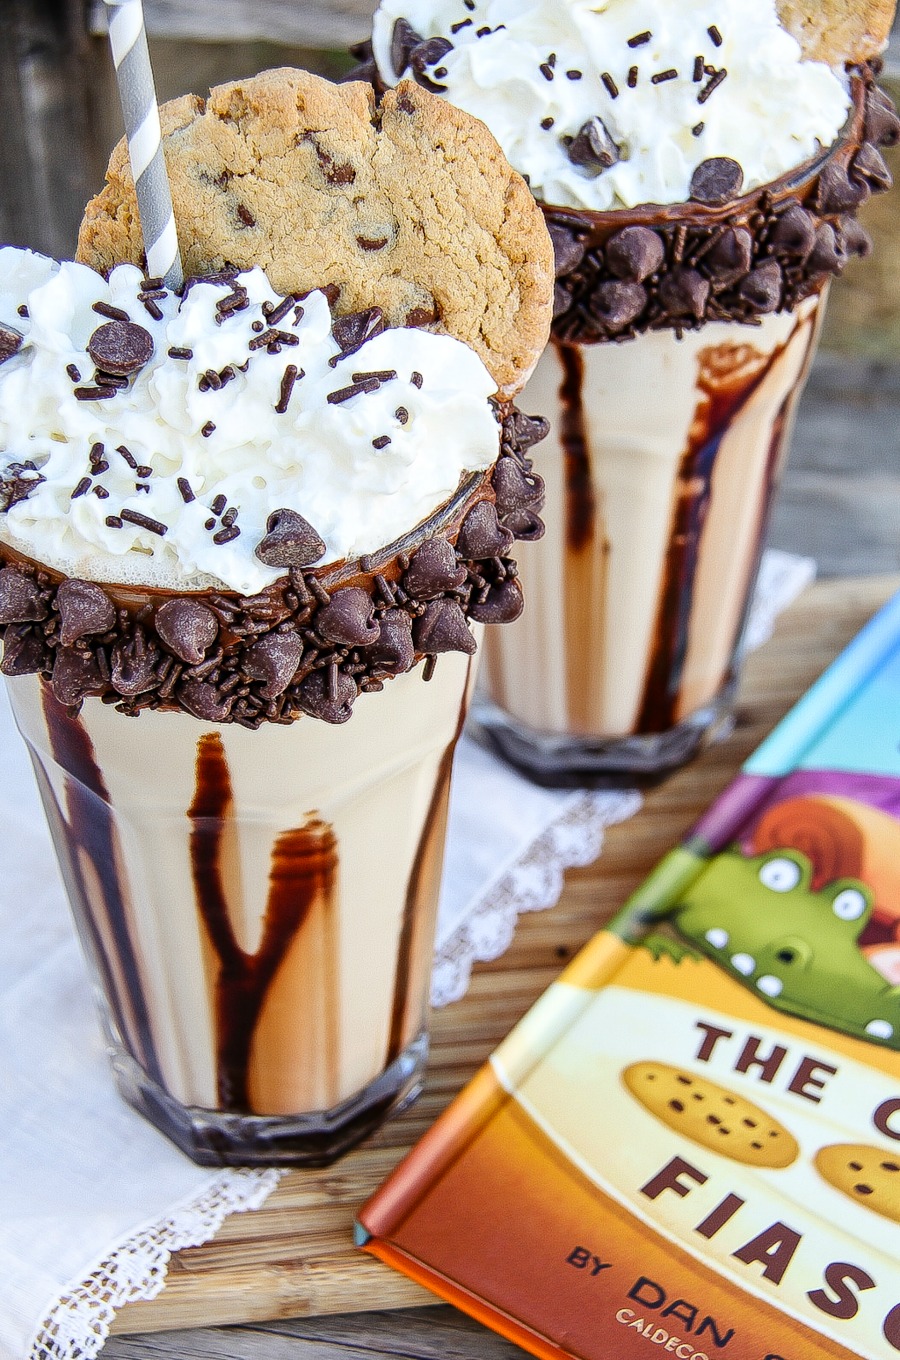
{"x": 87, "y": 836}
{"x": 302, "y": 873}
{"x": 414, "y": 951}
{"x": 694, "y": 488}
{"x": 580, "y": 497}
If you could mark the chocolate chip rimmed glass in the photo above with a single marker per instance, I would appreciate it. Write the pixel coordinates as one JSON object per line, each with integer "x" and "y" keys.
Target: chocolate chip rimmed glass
{"x": 682, "y": 339}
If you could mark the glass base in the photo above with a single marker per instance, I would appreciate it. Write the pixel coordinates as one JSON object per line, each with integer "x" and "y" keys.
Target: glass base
{"x": 216, "y": 1138}
{"x": 562, "y": 761}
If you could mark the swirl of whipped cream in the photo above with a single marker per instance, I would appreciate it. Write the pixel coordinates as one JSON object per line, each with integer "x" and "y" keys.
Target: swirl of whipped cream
{"x": 211, "y": 435}
{"x": 537, "y": 71}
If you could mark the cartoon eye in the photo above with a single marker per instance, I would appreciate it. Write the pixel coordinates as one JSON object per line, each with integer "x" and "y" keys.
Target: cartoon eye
{"x": 781, "y": 875}
{"x": 849, "y": 905}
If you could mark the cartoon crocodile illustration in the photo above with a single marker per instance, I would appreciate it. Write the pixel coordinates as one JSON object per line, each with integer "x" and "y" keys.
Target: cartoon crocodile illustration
{"x": 759, "y": 918}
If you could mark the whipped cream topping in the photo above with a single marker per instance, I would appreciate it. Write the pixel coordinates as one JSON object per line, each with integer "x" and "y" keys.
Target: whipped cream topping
{"x": 673, "y": 85}
{"x": 170, "y": 480}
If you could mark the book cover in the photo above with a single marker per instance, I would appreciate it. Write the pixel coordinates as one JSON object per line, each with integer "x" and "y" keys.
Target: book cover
{"x": 690, "y": 1145}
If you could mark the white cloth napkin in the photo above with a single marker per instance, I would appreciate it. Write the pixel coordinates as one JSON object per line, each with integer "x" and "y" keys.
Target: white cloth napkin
{"x": 92, "y": 1199}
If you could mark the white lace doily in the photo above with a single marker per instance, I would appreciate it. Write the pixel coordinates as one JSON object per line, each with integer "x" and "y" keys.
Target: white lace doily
{"x": 79, "y": 1323}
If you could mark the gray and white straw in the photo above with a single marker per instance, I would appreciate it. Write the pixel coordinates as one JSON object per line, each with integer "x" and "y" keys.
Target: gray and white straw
{"x": 128, "y": 40}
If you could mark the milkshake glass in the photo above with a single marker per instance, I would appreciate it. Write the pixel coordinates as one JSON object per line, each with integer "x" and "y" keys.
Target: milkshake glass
{"x": 686, "y": 318}
{"x": 245, "y": 558}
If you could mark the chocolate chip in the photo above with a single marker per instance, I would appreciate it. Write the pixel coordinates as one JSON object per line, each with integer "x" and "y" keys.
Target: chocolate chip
{"x": 24, "y": 652}
{"x": 882, "y": 121}
{"x": 837, "y": 192}
{"x": 730, "y": 258}
{"x": 593, "y": 148}
{"x": 717, "y": 180}
{"x": 568, "y": 249}
{"x": 616, "y": 303}
{"x": 120, "y": 347}
{"x": 684, "y": 292}
{"x": 429, "y": 53}
{"x": 795, "y": 232}
{"x": 274, "y": 658}
{"x": 329, "y": 698}
{"x": 504, "y": 603}
{"x": 20, "y": 598}
{"x": 11, "y": 342}
{"x": 83, "y": 609}
{"x": 290, "y": 541}
{"x": 204, "y": 700}
{"x": 133, "y": 663}
{"x": 187, "y": 628}
{"x": 525, "y": 525}
{"x": 514, "y": 488}
{"x": 856, "y": 240}
{"x": 525, "y": 431}
{"x": 827, "y": 255}
{"x": 75, "y": 675}
{"x": 635, "y": 253}
{"x": 562, "y": 300}
{"x": 762, "y": 287}
{"x": 353, "y": 330}
{"x": 348, "y": 618}
{"x": 482, "y": 535}
{"x": 443, "y": 628}
{"x": 403, "y": 39}
{"x": 17, "y": 484}
{"x": 433, "y": 570}
{"x": 869, "y": 165}
{"x": 394, "y": 652}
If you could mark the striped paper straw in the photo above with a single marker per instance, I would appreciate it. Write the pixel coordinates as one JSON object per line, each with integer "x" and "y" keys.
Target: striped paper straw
{"x": 131, "y": 57}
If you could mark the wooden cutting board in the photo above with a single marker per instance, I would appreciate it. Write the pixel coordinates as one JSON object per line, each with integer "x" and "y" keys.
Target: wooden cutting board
{"x": 295, "y": 1257}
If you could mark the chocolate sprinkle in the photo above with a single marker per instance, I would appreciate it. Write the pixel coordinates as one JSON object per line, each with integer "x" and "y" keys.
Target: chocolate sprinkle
{"x": 711, "y": 86}
{"x": 153, "y": 526}
{"x": 113, "y": 313}
{"x": 291, "y": 373}
{"x": 661, "y": 76}
{"x": 640, "y": 38}
{"x": 83, "y": 486}
{"x": 610, "y": 85}
{"x": 93, "y": 393}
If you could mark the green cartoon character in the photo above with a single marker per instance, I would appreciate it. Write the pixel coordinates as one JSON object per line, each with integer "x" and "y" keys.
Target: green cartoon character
{"x": 796, "y": 947}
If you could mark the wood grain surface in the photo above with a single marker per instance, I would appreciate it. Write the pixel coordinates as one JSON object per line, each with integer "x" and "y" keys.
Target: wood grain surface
{"x": 295, "y": 1257}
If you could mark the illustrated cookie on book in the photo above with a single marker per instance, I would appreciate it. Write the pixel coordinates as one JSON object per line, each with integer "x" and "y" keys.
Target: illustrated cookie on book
{"x": 711, "y": 1115}
{"x": 867, "y": 1175}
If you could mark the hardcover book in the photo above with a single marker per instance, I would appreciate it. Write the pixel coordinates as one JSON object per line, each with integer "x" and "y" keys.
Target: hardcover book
{"x": 690, "y": 1145}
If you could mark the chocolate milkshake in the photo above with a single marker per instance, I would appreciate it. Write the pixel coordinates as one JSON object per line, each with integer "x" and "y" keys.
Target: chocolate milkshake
{"x": 240, "y": 529}
{"x": 699, "y": 166}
